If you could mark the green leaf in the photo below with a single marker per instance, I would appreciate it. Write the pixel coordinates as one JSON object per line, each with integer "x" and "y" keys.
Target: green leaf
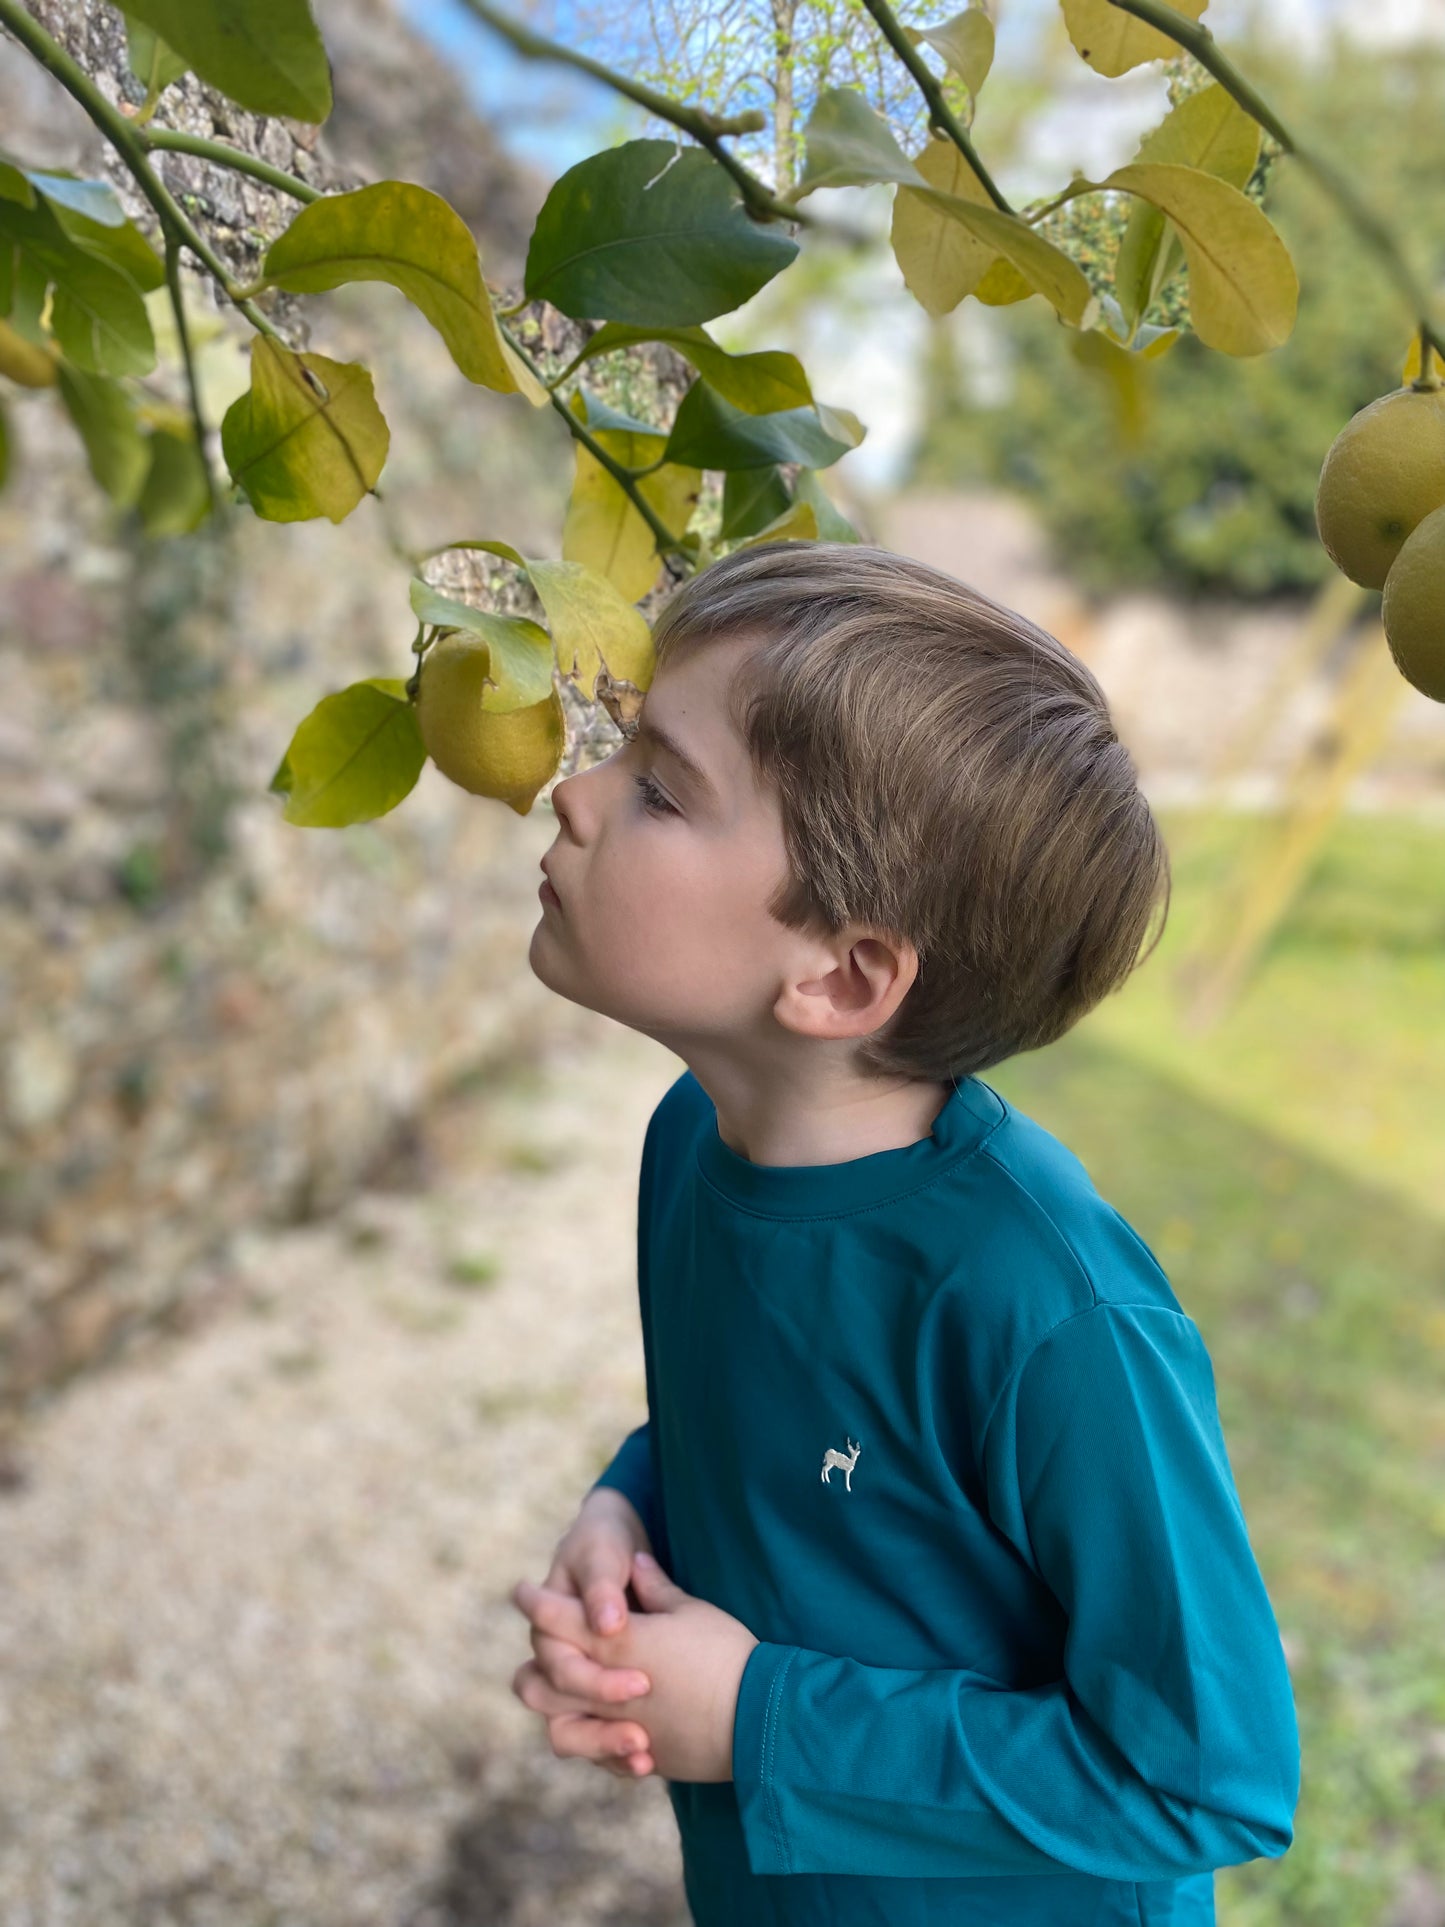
{"x": 301, "y": 451}
{"x": 353, "y": 758}
{"x": 520, "y": 649}
{"x": 756, "y": 383}
{"x": 833, "y": 525}
{"x": 174, "y": 499}
{"x": 154, "y": 64}
{"x": 264, "y": 54}
{"x": 708, "y": 432}
{"x": 397, "y": 232}
{"x": 752, "y": 497}
{"x": 105, "y": 417}
{"x": 849, "y": 145}
{"x": 98, "y": 316}
{"x": 14, "y": 186}
{"x": 1207, "y": 129}
{"x": 1243, "y": 289}
{"x": 966, "y": 43}
{"x": 1112, "y": 42}
{"x": 123, "y": 247}
{"x": 652, "y": 233}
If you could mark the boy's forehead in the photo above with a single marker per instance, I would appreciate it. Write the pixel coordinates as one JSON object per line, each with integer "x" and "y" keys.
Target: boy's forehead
{"x": 689, "y": 708}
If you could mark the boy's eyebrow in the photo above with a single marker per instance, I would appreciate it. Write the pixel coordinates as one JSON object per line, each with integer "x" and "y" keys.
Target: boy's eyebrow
{"x": 655, "y": 733}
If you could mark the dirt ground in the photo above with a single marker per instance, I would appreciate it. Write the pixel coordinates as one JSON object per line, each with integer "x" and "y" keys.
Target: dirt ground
{"x": 255, "y": 1640}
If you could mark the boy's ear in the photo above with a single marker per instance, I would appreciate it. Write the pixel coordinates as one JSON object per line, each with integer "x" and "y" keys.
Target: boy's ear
{"x": 862, "y": 975}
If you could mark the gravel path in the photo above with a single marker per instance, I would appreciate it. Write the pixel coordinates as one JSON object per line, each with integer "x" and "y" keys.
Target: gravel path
{"x": 255, "y": 1641}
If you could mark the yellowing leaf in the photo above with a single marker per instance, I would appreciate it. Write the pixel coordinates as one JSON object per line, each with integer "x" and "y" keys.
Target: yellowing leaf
{"x": 1209, "y": 130}
{"x": 397, "y": 232}
{"x": 1112, "y": 42}
{"x": 604, "y": 528}
{"x": 307, "y": 438}
{"x": 849, "y": 145}
{"x": 940, "y": 260}
{"x": 592, "y": 624}
{"x": 966, "y": 43}
{"x": 1243, "y": 289}
{"x": 1002, "y": 286}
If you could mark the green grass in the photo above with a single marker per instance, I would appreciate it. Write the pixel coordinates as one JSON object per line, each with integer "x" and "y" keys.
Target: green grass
{"x": 1287, "y": 1167}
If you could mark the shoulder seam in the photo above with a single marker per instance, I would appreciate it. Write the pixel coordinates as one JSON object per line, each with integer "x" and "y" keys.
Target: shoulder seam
{"x": 1099, "y": 1304}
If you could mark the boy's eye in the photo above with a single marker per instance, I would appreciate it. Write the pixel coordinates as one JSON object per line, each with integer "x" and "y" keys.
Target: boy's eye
{"x": 653, "y": 798}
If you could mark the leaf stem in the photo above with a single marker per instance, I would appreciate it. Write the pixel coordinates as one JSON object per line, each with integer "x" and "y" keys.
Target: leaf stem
{"x": 667, "y": 542}
{"x": 1200, "y": 42}
{"x": 224, "y": 155}
{"x": 183, "y": 333}
{"x": 941, "y": 114}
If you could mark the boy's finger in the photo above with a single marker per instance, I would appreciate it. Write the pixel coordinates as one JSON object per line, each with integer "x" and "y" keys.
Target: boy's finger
{"x": 606, "y": 1605}
{"x": 552, "y": 1613}
{"x": 580, "y": 1736}
{"x": 572, "y": 1671}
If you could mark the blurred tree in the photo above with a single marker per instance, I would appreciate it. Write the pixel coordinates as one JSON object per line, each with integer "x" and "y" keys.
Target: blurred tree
{"x": 1217, "y": 495}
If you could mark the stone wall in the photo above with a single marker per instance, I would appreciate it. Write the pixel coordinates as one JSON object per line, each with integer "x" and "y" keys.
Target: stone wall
{"x": 215, "y": 1021}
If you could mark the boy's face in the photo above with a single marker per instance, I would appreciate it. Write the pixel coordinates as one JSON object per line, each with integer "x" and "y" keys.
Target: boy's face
{"x": 663, "y": 875}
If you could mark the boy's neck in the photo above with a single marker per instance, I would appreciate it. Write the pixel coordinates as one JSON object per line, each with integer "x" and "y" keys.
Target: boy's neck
{"x": 827, "y": 1123}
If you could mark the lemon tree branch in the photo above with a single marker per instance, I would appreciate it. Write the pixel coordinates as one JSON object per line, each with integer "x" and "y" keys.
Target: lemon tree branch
{"x": 940, "y": 113}
{"x": 129, "y": 144}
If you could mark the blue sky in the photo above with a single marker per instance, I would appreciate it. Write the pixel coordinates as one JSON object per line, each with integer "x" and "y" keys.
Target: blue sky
{"x": 553, "y": 117}
{"x": 577, "y": 117}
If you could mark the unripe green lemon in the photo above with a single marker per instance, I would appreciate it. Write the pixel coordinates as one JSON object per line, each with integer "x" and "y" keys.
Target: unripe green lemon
{"x": 508, "y": 754}
{"x": 1413, "y": 610}
{"x": 1384, "y": 473}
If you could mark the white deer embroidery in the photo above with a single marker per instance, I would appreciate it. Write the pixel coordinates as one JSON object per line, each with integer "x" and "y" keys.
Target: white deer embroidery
{"x": 833, "y": 1457}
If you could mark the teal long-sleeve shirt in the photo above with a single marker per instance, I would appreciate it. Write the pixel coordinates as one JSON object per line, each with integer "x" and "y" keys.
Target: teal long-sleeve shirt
{"x": 932, "y": 1424}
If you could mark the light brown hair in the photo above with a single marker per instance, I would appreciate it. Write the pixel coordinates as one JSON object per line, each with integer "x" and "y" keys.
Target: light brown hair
{"x": 947, "y": 771}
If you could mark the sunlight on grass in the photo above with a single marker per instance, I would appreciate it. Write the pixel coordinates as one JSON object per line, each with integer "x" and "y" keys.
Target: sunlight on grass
{"x": 1337, "y": 1043}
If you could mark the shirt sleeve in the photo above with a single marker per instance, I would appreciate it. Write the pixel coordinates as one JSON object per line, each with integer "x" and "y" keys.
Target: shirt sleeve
{"x": 1169, "y": 1746}
{"x": 630, "y": 1473}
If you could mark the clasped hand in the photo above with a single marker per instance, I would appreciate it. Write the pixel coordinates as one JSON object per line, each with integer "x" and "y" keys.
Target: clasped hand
{"x": 692, "y": 1653}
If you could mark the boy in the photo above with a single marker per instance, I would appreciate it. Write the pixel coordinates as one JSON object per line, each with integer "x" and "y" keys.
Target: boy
{"x": 955, "y": 1617}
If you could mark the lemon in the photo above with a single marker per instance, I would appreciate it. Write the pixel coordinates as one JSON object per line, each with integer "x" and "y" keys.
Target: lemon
{"x": 1413, "y": 610}
{"x": 505, "y": 753}
{"x": 1384, "y": 473}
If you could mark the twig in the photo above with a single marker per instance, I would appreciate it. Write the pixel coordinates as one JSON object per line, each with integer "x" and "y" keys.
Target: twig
{"x": 705, "y": 128}
{"x": 940, "y": 113}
